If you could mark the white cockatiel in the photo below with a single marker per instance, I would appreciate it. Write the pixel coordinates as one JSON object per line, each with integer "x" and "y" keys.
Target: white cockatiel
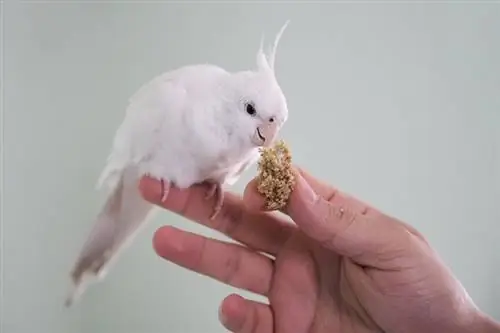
{"x": 196, "y": 124}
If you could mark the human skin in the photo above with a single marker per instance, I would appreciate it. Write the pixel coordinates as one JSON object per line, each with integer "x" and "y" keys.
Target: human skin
{"x": 337, "y": 266}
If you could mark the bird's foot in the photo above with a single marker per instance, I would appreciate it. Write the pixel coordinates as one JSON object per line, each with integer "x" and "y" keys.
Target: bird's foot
{"x": 165, "y": 188}
{"x": 215, "y": 190}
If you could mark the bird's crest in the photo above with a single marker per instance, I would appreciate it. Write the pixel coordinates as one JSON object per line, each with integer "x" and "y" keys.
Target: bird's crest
{"x": 264, "y": 63}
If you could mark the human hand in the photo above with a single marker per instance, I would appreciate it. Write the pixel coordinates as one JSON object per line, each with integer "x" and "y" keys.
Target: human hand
{"x": 341, "y": 266}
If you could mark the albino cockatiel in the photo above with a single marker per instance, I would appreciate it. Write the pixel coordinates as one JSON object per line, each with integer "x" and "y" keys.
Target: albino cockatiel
{"x": 196, "y": 124}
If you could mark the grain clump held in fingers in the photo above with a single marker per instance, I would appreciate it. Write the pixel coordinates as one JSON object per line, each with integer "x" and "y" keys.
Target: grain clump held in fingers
{"x": 275, "y": 180}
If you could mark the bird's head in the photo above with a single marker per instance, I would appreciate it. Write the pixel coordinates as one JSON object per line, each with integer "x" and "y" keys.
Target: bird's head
{"x": 261, "y": 107}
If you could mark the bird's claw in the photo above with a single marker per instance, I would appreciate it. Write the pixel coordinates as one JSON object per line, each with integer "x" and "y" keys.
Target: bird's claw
{"x": 216, "y": 191}
{"x": 211, "y": 191}
{"x": 165, "y": 188}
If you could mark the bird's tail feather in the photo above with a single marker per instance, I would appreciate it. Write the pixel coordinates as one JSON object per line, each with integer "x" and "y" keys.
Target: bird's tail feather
{"x": 121, "y": 217}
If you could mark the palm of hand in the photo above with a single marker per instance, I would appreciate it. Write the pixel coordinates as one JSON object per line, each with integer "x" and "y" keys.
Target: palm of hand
{"x": 316, "y": 290}
{"x": 311, "y": 293}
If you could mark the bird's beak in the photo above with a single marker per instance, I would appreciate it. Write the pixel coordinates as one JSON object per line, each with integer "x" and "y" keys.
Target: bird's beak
{"x": 264, "y": 134}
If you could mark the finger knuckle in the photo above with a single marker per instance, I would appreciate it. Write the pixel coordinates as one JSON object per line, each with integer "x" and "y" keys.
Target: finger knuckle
{"x": 332, "y": 194}
{"x": 230, "y": 220}
{"x": 340, "y": 220}
{"x": 231, "y": 267}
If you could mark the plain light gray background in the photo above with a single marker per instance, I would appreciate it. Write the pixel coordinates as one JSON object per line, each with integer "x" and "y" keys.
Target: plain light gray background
{"x": 397, "y": 104}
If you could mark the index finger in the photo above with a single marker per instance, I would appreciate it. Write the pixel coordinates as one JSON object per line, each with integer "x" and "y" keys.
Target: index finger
{"x": 258, "y": 230}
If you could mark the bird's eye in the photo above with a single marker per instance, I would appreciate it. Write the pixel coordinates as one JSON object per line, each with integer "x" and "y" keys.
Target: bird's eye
{"x": 251, "y": 109}
{"x": 271, "y": 120}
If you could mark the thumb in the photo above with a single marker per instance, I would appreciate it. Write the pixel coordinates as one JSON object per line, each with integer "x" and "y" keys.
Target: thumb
{"x": 341, "y": 226}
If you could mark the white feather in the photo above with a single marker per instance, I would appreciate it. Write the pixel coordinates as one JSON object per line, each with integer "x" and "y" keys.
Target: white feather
{"x": 121, "y": 217}
{"x": 186, "y": 126}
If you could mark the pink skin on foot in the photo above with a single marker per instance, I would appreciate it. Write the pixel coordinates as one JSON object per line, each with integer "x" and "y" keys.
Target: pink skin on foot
{"x": 215, "y": 189}
{"x": 165, "y": 188}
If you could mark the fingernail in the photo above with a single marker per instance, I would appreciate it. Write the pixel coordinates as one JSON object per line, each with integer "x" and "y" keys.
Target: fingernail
{"x": 222, "y": 317}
